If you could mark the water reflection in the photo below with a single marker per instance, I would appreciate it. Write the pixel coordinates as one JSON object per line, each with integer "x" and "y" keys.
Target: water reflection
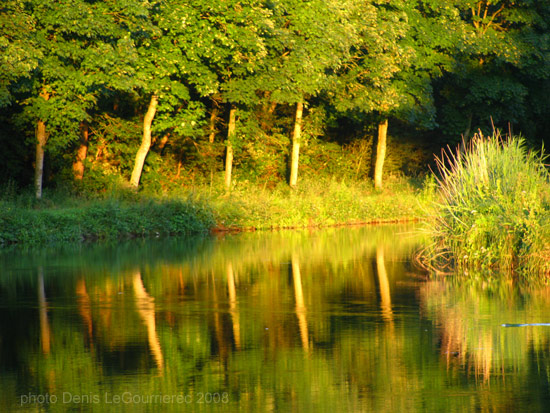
{"x": 300, "y": 306}
{"x": 470, "y": 321}
{"x": 146, "y": 309}
{"x": 310, "y": 321}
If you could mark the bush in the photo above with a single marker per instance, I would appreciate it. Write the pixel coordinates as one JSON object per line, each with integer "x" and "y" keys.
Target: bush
{"x": 494, "y": 208}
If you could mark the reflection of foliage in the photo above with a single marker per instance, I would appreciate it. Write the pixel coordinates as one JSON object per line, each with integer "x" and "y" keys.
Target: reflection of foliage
{"x": 250, "y": 346}
{"x": 470, "y": 318}
{"x": 195, "y": 322}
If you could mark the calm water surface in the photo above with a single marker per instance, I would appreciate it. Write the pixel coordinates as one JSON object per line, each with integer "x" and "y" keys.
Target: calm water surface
{"x": 327, "y": 320}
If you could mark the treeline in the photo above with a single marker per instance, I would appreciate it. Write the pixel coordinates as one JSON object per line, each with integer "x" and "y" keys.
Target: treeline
{"x": 164, "y": 91}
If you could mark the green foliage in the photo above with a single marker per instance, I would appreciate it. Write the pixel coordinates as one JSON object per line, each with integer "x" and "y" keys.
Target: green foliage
{"x": 318, "y": 202}
{"x": 423, "y": 63}
{"x": 495, "y": 208}
{"x": 110, "y": 218}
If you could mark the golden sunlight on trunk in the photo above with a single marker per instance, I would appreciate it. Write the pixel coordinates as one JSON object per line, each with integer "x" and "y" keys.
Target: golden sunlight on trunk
{"x": 229, "y": 148}
{"x": 380, "y": 153}
{"x": 145, "y": 142}
{"x": 78, "y": 165}
{"x": 297, "y": 134}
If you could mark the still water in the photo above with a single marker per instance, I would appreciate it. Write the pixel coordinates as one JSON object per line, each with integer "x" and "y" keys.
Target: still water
{"x": 329, "y": 320}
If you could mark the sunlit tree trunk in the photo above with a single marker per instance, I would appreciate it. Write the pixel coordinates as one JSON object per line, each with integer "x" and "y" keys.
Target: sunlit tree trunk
{"x": 297, "y": 134}
{"x": 41, "y": 139}
{"x": 380, "y": 153}
{"x": 300, "y": 305}
{"x": 39, "y": 165}
{"x": 145, "y": 142}
{"x": 229, "y": 147}
{"x": 78, "y": 165}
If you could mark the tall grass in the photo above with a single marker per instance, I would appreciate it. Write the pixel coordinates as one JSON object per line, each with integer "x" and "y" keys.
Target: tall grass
{"x": 494, "y": 208}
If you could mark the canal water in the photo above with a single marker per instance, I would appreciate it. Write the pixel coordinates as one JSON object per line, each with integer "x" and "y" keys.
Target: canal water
{"x": 308, "y": 321}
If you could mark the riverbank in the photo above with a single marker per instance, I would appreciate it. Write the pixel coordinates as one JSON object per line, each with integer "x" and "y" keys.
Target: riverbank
{"x": 61, "y": 217}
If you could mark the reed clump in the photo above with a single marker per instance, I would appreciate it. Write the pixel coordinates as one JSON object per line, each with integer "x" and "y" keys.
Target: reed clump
{"x": 493, "y": 209}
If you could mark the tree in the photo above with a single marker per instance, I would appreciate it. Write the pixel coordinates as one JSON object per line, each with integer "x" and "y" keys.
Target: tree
{"x": 306, "y": 45}
{"x": 499, "y": 54}
{"x": 79, "y": 45}
{"x": 368, "y": 81}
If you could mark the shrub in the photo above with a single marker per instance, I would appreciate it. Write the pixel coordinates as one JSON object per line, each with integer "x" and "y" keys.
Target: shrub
{"x": 494, "y": 208}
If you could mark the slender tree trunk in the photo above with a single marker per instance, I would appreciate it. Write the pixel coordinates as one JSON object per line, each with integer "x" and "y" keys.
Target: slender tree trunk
{"x": 229, "y": 148}
{"x": 145, "y": 142}
{"x": 213, "y": 117}
{"x": 78, "y": 165}
{"x": 296, "y": 145}
{"x": 41, "y": 139}
{"x": 380, "y": 153}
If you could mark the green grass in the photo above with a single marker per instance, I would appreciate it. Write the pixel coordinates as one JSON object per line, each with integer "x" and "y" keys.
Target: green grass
{"x": 494, "y": 211}
{"x": 47, "y": 222}
{"x": 65, "y": 216}
{"x": 318, "y": 203}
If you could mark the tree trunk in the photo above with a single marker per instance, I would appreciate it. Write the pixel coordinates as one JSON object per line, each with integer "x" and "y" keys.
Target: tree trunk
{"x": 229, "y": 148}
{"x": 78, "y": 165}
{"x": 380, "y": 153}
{"x": 41, "y": 138}
{"x": 213, "y": 118}
{"x": 145, "y": 142}
{"x": 296, "y": 145}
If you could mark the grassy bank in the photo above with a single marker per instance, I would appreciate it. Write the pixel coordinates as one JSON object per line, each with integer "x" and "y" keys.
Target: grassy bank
{"x": 100, "y": 219}
{"x": 495, "y": 209}
{"x": 61, "y": 216}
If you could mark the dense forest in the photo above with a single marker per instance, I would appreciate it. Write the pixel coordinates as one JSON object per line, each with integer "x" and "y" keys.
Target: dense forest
{"x": 164, "y": 93}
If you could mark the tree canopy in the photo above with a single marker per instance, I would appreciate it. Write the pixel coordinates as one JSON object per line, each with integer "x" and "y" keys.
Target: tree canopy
{"x": 276, "y": 73}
